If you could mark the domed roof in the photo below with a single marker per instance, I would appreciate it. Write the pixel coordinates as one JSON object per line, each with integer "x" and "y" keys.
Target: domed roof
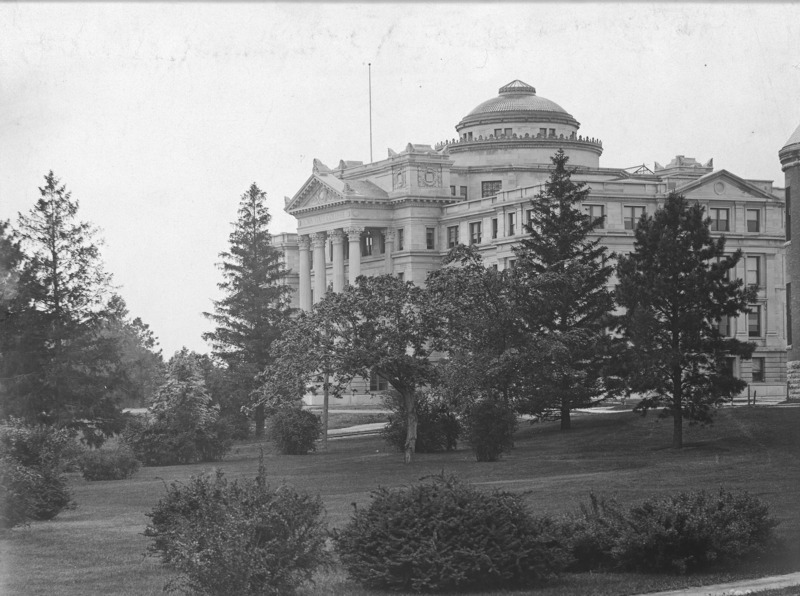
{"x": 521, "y": 99}
{"x": 794, "y": 139}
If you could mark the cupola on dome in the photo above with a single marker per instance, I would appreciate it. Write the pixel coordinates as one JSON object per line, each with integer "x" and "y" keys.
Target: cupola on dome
{"x": 517, "y": 101}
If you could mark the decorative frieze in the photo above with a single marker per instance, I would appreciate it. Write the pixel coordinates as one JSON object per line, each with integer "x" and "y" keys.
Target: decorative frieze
{"x": 428, "y": 176}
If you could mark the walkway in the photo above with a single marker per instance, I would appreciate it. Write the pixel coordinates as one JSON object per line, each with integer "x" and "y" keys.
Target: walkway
{"x": 747, "y": 586}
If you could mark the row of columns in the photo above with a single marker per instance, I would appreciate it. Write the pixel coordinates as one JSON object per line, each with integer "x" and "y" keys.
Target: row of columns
{"x": 317, "y": 257}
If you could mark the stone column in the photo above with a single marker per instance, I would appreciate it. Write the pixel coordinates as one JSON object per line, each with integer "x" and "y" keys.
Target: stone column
{"x": 320, "y": 283}
{"x": 304, "y": 243}
{"x": 354, "y": 239}
{"x": 388, "y": 236}
{"x": 337, "y": 237}
{"x": 790, "y": 164}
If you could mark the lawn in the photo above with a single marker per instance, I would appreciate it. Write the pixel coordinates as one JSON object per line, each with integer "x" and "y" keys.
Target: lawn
{"x": 98, "y": 548}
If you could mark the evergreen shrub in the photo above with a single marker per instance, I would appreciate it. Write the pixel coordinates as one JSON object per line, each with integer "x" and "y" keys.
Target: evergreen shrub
{"x": 295, "y": 431}
{"x": 443, "y": 535}
{"x": 490, "y": 429}
{"x": 159, "y": 443}
{"x": 239, "y": 537}
{"x": 438, "y": 427}
{"x": 109, "y": 464}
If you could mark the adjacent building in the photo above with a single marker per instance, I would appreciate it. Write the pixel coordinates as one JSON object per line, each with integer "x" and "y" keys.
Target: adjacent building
{"x": 402, "y": 214}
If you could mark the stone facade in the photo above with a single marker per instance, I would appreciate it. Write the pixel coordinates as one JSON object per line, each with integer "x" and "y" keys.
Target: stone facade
{"x": 790, "y": 163}
{"x": 400, "y": 215}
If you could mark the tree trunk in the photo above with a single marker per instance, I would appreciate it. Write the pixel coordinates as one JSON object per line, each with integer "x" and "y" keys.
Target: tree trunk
{"x": 411, "y": 422}
{"x": 565, "y": 420}
{"x": 258, "y": 414}
{"x": 325, "y": 396}
{"x": 677, "y": 409}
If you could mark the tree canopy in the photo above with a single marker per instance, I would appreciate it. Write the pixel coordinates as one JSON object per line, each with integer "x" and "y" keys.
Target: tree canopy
{"x": 676, "y": 286}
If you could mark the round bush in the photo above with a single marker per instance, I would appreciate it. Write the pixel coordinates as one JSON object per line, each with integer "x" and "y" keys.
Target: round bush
{"x": 109, "y": 464}
{"x": 295, "y": 431}
{"x": 490, "y": 429}
{"x": 158, "y": 443}
{"x": 239, "y": 537}
{"x": 445, "y": 536}
{"x": 694, "y": 530}
{"x": 437, "y": 427}
{"x": 29, "y": 493}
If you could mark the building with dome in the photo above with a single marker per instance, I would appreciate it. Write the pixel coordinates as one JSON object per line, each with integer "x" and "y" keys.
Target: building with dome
{"x": 402, "y": 214}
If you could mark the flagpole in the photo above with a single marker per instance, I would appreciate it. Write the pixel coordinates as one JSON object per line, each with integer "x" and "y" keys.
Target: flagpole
{"x": 369, "y": 66}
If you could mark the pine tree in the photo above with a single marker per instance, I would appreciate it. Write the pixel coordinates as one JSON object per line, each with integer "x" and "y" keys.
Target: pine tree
{"x": 256, "y": 300}
{"x": 561, "y": 279}
{"x": 676, "y": 287}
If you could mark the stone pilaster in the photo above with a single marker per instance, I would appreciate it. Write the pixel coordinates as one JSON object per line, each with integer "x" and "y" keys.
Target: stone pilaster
{"x": 389, "y": 238}
{"x": 337, "y": 238}
{"x": 320, "y": 283}
{"x": 304, "y": 244}
{"x": 354, "y": 240}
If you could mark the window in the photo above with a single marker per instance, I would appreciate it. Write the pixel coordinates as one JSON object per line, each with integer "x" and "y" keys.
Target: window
{"x": 552, "y": 132}
{"x": 377, "y": 382}
{"x": 753, "y": 271}
{"x": 401, "y": 276}
{"x": 730, "y": 366}
{"x": 789, "y": 314}
{"x": 543, "y": 132}
{"x": 430, "y": 238}
{"x": 475, "y": 232}
{"x": 401, "y": 233}
{"x": 494, "y": 228}
{"x": 507, "y": 132}
{"x": 529, "y": 216}
{"x": 366, "y": 245}
{"x": 452, "y": 236}
{"x": 381, "y": 243}
{"x": 754, "y": 220}
{"x": 788, "y": 214}
{"x": 346, "y": 250}
{"x": 724, "y": 326}
{"x": 469, "y": 136}
{"x": 719, "y": 219}
{"x": 453, "y": 190}
{"x": 463, "y": 191}
{"x": 490, "y": 188}
{"x": 512, "y": 221}
{"x": 758, "y": 369}
{"x": 498, "y": 132}
{"x": 754, "y": 322}
{"x": 596, "y": 213}
{"x": 511, "y": 263}
{"x": 631, "y": 216}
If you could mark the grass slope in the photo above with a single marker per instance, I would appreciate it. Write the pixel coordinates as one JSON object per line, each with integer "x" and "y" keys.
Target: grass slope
{"x": 98, "y": 547}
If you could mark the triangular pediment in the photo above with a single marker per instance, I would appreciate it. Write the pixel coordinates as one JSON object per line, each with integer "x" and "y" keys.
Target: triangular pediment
{"x": 724, "y": 186}
{"x": 325, "y": 189}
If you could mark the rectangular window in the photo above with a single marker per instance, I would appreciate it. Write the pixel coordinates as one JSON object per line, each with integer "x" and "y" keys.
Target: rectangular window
{"x": 469, "y": 136}
{"x": 597, "y": 213}
{"x": 789, "y": 314}
{"x": 453, "y": 190}
{"x": 512, "y": 221}
{"x": 754, "y": 220}
{"x": 511, "y": 263}
{"x": 452, "y": 236}
{"x": 346, "y": 250}
{"x": 430, "y": 238}
{"x": 632, "y": 215}
{"x": 754, "y": 322}
{"x": 490, "y": 188}
{"x": 463, "y": 191}
{"x": 377, "y": 382}
{"x": 719, "y": 219}
{"x": 788, "y": 214}
{"x": 758, "y": 369}
{"x": 494, "y": 228}
{"x": 366, "y": 245}
{"x": 475, "y": 232}
{"x": 498, "y": 132}
{"x": 724, "y": 327}
{"x": 401, "y": 276}
{"x": 552, "y": 132}
{"x": 753, "y": 272}
{"x": 529, "y": 216}
{"x": 381, "y": 243}
{"x": 543, "y": 132}
{"x": 401, "y": 238}
{"x": 730, "y": 365}
{"x": 507, "y": 132}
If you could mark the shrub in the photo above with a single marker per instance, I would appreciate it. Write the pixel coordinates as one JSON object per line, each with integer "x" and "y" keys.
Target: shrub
{"x": 109, "y": 464}
{"x": 437, "y": 426}
{"x": 593, "y": 533}
{"x": 445, "y": 536}
{"x": 239, "y": 537}
{"x": 157, "y": 443}
{"x": 694, "y": 530}
{"x": 295, "y": 431}
{"x": 30, "y": 493}
{"x": 40, "y": 445}
{"x": 490, "y": 429}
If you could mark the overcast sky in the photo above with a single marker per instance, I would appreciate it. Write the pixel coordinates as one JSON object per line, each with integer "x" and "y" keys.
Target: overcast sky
{"x": 159, "y": 116}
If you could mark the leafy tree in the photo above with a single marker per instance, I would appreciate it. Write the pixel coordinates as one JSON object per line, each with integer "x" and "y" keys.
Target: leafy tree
{"x": 380, "y": 324}
{"x": 58, "y": 363}
{"x": 256, "y": 301}
{"x": 561, "y": 284}
{"x": 676, "y": 286}
{"x": 478, "y": 329}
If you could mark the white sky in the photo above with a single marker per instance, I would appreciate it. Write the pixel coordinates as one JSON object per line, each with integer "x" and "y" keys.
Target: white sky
{"x": 159, "y": 116}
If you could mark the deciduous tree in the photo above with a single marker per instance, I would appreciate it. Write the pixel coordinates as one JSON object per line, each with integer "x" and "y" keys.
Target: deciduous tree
{"x": 676, "y": 286}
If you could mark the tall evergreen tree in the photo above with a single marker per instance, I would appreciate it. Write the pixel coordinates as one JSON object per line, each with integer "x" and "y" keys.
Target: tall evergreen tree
{"x": 676, "y": 287}
{"x": 561, "y": 279}
{"x": 256, "y": 301}
{"x": 62, "y": 363}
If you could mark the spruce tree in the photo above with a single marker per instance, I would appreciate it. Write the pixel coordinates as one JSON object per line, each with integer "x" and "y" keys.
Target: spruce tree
{"x": 676, "y": 286}
{"x": 561, "y": 281}
{"x": 256, "y": 301}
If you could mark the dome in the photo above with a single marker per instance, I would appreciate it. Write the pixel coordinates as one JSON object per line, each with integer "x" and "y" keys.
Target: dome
{"x": 517, "y": 101}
